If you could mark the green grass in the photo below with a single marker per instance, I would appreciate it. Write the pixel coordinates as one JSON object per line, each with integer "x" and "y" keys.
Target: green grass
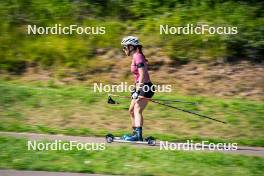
{"x": 77, "y": 110}
{"x": 127, "y": 160}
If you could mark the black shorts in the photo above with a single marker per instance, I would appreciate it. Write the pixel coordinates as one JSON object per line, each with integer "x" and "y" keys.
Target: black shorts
{"x": 147, "y": 90}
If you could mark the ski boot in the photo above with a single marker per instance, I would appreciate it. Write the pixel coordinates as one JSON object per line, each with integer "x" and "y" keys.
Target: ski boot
{"x": 129, "y": 135}
{"x": 136, "y": 136}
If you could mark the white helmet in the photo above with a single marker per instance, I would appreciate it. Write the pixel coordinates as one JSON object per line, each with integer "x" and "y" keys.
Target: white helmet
{"x": 130, "y": 40}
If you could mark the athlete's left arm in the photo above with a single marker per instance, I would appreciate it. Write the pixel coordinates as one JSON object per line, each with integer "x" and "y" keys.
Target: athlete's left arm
{"x": 141, "y": 77}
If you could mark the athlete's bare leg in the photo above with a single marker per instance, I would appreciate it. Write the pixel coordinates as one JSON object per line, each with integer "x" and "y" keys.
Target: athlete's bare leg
{"x": 131, "y": 112}
{"x": 139, "y": 106}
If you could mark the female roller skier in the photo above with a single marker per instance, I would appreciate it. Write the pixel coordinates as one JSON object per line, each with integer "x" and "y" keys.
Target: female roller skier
{"x": 143, "y": 86}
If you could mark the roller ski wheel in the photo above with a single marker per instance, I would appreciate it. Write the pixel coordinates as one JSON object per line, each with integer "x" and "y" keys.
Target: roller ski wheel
{"x": 109, "y": 138}
{"x": 150, "y": 140}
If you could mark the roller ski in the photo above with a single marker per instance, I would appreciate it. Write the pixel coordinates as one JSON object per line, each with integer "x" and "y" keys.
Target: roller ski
{"x": 135, "y": 138}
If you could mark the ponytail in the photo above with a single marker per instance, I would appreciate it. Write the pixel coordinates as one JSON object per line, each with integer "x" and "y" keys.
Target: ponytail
{"x": 140, "y": 51}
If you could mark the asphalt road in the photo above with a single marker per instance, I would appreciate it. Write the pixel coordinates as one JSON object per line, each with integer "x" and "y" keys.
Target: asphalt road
{"x": 41, "y": 173}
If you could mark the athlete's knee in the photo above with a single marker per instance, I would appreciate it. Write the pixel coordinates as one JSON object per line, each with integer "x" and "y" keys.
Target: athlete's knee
{"x": 131, "y": 111}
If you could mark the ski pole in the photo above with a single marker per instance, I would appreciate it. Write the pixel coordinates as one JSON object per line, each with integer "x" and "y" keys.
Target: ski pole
{"x": 181, "y": 101}
{"x": 154, "y": 101}
{"x": 184, "y": 110}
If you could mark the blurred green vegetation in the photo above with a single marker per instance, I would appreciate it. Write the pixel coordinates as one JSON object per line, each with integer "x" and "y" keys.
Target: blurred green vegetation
{"x": 126, "y": 160}
{"x": 136, "y": 17}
